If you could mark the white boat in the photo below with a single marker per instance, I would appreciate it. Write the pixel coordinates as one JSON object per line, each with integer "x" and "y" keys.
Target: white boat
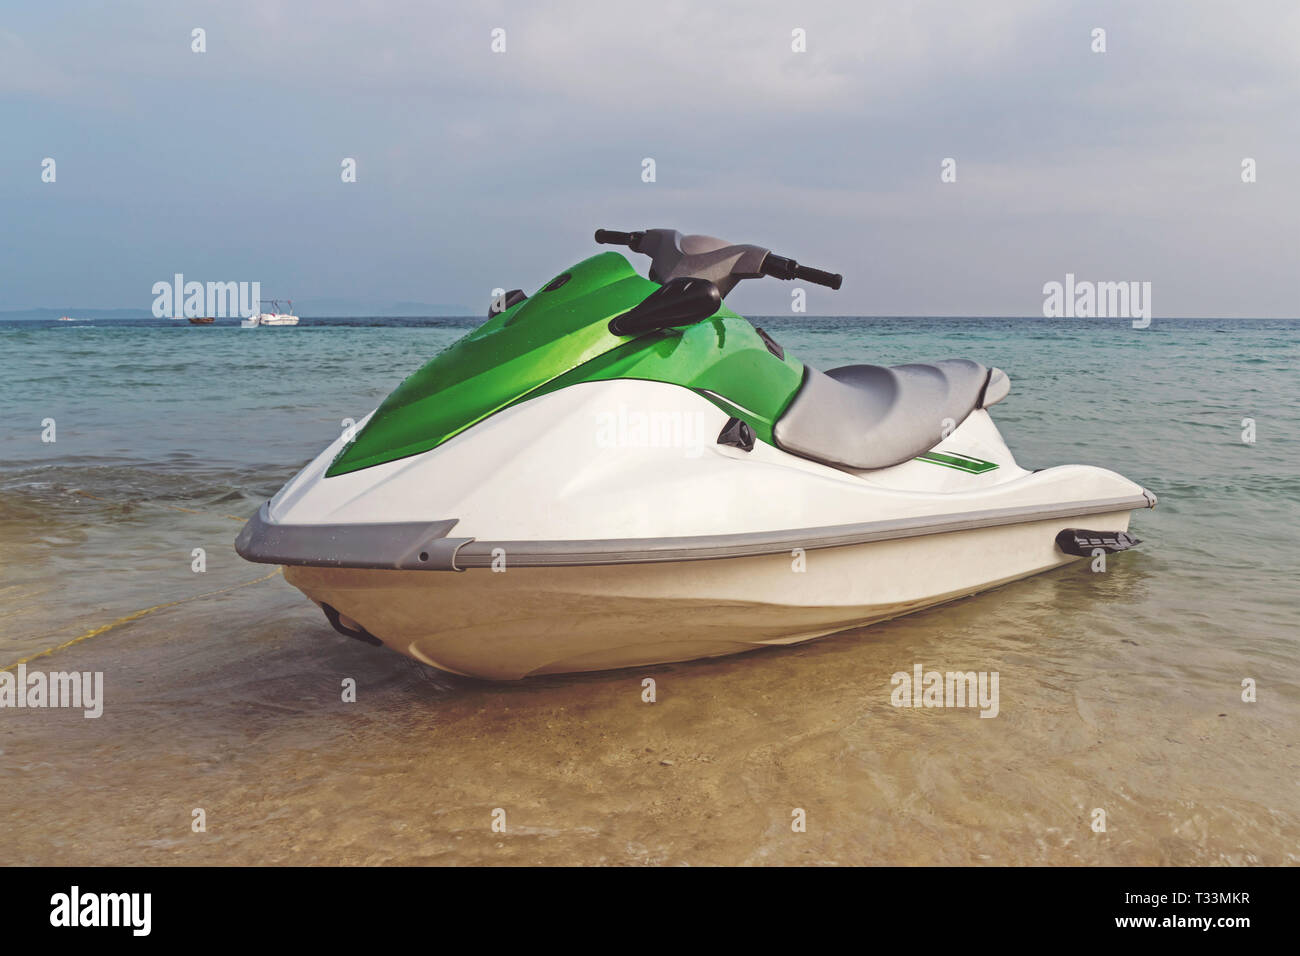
{"x": 277, "y": 317}
{"x": 513, "y": 508}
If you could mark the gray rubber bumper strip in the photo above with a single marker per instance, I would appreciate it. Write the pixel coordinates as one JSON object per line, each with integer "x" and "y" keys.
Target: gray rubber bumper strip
{"x": 401, "y": 547}
{"x": 427, "y": 546}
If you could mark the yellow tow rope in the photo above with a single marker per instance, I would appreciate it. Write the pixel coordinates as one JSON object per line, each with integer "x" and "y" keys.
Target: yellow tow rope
{"x": 136, "y": 615}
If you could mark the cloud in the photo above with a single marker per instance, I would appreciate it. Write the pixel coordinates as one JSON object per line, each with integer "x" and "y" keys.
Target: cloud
{"x": 1123, "y": 160}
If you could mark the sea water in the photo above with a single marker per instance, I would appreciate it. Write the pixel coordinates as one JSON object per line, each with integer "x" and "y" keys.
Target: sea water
{"x": 1147, "y": 714}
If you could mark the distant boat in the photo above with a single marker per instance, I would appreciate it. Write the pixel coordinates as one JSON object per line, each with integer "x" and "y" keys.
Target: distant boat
{"x": 248, "y": 323}
{"x": 66, "y": 318}
{"x": 195, "y": 320}
{"x": 276, "y": 317}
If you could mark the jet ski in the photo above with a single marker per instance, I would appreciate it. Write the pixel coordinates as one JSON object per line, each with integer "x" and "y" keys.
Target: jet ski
{"x": 618, "y": 471}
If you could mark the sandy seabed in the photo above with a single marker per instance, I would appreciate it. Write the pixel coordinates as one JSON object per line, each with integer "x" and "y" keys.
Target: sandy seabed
{"x": 233, "y": 704}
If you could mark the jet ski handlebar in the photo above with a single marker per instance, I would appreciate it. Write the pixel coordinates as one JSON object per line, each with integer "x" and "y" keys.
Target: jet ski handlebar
{"x": 779, "y": 267}
{"x": 674, "y": 256}
{"x": 608, "y": 237}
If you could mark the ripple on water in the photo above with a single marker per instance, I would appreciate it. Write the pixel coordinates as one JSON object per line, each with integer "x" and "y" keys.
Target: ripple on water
{"x": 1119, "y": 690}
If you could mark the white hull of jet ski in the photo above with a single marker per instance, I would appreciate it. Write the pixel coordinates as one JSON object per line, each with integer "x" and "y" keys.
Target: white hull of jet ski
{"x": 603, "y": 526}
{"x": 530, "y": 621}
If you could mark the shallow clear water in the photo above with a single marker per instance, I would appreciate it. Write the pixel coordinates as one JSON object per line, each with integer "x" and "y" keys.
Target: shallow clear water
{"x": 1120, "y": 691}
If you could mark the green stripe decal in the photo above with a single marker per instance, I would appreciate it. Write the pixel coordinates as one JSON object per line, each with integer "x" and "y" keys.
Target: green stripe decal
{"x": 975, "y": 466}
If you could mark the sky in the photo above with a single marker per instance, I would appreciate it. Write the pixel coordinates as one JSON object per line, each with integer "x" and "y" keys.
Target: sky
{"x": 478, "y": 169}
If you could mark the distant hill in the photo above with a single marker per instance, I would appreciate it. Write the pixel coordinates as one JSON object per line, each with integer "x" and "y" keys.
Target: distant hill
{"x": 77, "y": 314}
{"x": 330, "y": 308}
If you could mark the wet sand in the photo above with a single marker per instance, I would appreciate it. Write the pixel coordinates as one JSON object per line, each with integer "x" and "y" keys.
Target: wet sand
{"x": 232, "y": 703}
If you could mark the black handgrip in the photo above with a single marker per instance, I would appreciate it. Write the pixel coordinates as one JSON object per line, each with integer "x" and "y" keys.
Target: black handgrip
{"x": 832, "y": 279}
{"x": 779, "y": 267}
{"x": 609, "y": 237}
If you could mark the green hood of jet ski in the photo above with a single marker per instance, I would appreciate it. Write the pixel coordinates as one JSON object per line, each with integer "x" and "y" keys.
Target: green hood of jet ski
{"x": 560, "y": 336}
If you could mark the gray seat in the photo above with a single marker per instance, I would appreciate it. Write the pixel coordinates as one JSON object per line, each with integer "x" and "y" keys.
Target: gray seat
{"x": 871, "y": 416}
